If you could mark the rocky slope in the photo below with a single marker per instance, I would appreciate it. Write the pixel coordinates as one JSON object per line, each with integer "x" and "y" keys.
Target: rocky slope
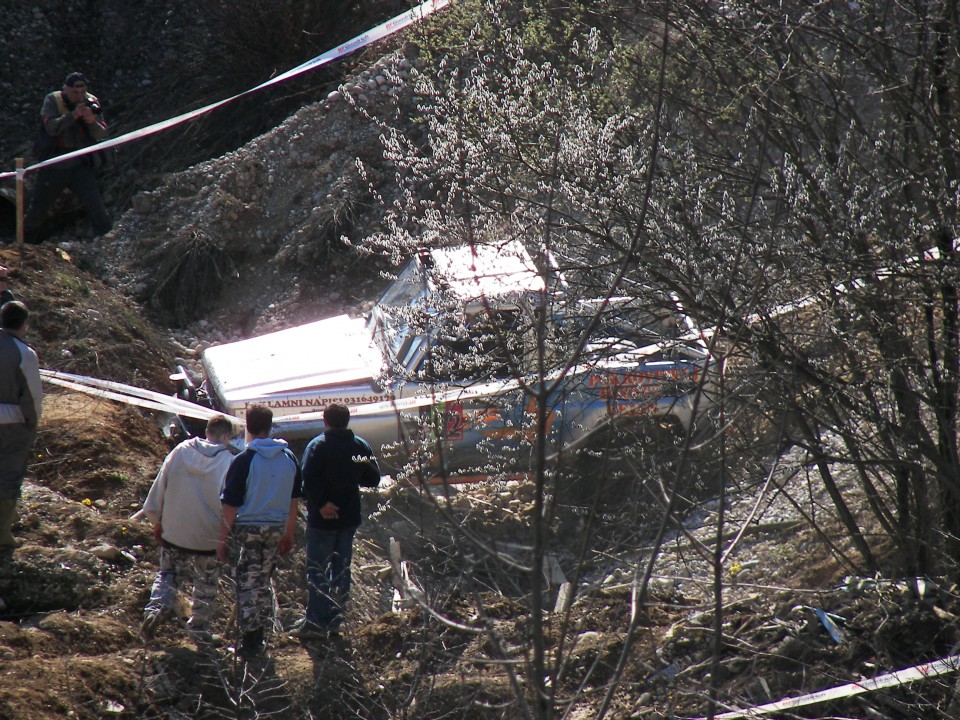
{"x": 271, "y": 215}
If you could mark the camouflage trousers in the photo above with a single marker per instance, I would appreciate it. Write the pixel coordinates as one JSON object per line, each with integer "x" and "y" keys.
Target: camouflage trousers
{"x": 256, "y": 550}
{"x": 177, "y": 565}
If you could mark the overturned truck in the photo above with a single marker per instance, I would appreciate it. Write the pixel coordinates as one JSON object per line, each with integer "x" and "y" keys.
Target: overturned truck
{"x": 446, "y": 374}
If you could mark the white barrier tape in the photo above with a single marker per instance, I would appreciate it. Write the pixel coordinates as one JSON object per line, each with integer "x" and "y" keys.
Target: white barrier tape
{"x": 130, "y": 395}
{"x": 378, "y": 33}
{"x": 140, "y": 397}
{"x": 109, "y": 395}
{"x": 900, "y": 677}
{"x": 120, "y": 387}
{"x": 383, "y": 30}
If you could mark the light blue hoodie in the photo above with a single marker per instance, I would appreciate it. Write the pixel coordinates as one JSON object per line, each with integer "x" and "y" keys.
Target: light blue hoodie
{"x": 261, "y": 482}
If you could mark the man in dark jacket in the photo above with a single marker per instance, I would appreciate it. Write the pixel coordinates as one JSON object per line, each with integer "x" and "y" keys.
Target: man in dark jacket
{"x": 21, "y": 402}
{"x": 336, "y": 464}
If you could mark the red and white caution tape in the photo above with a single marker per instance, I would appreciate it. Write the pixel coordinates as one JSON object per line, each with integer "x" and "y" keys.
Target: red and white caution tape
{"x": 900, "y": 677}
{"x": 371, "y": 36}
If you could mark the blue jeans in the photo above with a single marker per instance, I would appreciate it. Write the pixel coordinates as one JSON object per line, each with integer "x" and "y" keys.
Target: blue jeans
{"x": 329, "y": 553}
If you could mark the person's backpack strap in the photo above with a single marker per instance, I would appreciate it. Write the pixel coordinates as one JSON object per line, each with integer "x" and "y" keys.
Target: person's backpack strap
{"x": 45, "y": 146}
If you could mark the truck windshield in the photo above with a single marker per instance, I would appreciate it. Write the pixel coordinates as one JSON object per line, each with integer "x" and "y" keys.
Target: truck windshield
{"x": 405, "y": 290}
{"x": 389, "y": 319}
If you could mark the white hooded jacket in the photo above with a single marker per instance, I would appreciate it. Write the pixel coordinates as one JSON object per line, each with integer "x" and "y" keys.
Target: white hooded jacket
{"x": 185, "y": 497}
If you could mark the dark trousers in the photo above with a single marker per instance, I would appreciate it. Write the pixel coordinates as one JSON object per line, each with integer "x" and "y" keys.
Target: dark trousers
{"x": 329, "y": 553}
{"x": 81, "y": 180}
{"x": 16, "y": 442}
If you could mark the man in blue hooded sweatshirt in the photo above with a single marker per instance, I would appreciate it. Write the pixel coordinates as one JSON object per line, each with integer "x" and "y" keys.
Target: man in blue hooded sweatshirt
{"x": 259, "y": 501}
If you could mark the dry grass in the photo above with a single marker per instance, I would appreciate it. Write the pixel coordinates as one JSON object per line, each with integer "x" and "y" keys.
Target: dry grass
{"x": 191, "y": 269}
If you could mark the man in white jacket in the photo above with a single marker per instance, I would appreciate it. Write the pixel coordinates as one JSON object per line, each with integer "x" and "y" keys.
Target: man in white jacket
{"x": 184, "y": 506}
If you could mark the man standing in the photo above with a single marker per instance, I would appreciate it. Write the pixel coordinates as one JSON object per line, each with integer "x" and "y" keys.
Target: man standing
{"x": 259, "y": 501}
{"x": 184, "y": 506}
{"x": 21, "y": 404}
{"x": 336, "y": 464}
{"x": 71, "y": 119}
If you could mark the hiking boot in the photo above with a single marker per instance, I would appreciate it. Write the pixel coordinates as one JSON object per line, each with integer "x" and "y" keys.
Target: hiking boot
{"x": 8, "y": 516}
{"x": 151, "y": 621}
{"x": 251, "y": 644}
{"x": 337, "y": 642}
{"x": 7, "y": 548}
{"x": 201, "y": 636}
{"x": 305, "y": 630}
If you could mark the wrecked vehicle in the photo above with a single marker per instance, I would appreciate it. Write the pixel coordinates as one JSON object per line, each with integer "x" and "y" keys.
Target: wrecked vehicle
{"x": 441, "y": 376}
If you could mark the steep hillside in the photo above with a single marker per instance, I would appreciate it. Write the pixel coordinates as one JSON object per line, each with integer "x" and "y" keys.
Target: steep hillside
{"x": 251, "y": 241}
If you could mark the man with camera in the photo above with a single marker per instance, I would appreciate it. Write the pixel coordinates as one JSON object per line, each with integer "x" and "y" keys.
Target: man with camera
{"x": 71, "y": 119}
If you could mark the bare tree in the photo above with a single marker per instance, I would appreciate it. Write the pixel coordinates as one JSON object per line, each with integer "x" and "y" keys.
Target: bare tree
{"x": 850, "y": 111}
{"x": 520, "y": 141}
{"x": 823, "y": 136}
{"x": 788, "y": 174}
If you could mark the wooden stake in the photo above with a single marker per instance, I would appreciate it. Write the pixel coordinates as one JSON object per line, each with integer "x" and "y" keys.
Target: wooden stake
{"x": 20, "y": 208}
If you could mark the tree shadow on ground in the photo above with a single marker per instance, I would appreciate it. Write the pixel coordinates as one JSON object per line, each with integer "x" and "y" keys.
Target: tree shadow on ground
{"x": 214, "y": 685}
{"x": 340, "y": 688}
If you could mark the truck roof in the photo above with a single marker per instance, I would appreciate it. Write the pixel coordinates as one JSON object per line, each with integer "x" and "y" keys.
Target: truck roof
{"x": 289, "y": 360}
{"x": 474, "y": 271}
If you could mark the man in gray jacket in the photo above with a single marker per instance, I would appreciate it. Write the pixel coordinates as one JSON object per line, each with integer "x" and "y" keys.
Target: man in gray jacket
{"x": 184, "y": 506}
{"x": 21, "y": 404}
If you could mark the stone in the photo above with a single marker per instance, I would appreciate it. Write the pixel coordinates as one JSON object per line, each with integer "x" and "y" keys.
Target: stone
{"x": 109, "y": 553}
{"x": 142, "y": 203}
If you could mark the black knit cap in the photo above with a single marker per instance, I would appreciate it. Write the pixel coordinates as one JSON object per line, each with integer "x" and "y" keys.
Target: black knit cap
{"x": 74, "y": 79}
